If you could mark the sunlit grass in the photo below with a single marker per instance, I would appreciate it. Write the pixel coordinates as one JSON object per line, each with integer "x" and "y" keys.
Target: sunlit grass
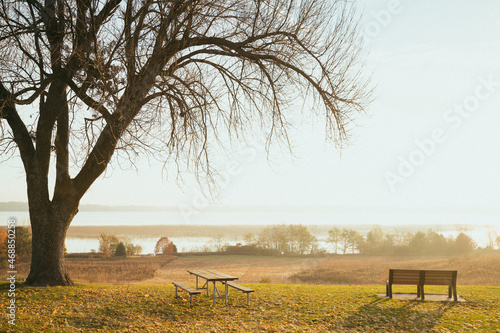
{"x": 273, "y": 308}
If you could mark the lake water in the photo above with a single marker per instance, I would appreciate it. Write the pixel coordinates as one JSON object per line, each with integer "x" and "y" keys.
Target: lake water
{"x": 477, "y": 225}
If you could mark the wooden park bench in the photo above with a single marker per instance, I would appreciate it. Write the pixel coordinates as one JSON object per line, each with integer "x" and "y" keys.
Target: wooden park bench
{"x": 190, "y": 290}
{"x": 241, "y": 288}
{"x": 420, "y": 278}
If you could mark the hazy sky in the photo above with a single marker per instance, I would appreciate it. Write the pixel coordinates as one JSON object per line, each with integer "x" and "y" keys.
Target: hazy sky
{"x": 430, "y": 137}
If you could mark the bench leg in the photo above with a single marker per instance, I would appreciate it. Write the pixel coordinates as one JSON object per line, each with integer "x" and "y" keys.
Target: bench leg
{"x": 449, "y": 291}
{"x": 248, "y": 298}
{"x": 422, "y": 294}
{"x": 455, "y": 296}
{"x": 191, "y": 300}
{"x": 176, "y": 292}
{"x": 418, "y": 291}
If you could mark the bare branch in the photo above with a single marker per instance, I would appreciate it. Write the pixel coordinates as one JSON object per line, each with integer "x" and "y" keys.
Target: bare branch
{"x": 171, "y": 79}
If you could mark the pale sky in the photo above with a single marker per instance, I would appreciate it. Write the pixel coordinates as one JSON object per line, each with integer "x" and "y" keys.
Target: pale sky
{"x": 430, "y": 138}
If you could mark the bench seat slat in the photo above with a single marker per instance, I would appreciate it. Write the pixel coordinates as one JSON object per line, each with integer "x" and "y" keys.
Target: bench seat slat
{"x": 186, "y": 288}
{"x": 240, "y": 287}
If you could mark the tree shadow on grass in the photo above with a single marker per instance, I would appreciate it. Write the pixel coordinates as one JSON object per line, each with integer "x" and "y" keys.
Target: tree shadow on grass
{"x": 390, "y": 315}
{"x": 6, "y": 285}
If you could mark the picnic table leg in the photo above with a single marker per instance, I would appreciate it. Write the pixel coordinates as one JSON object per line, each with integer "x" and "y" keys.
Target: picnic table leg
{"x": 214, "y": 295}
{"x": 225, "y": 293}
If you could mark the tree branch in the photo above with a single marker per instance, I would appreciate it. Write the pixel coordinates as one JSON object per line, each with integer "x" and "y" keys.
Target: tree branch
{"x": 21, "y": 134}
{"x": 91, "y": 103}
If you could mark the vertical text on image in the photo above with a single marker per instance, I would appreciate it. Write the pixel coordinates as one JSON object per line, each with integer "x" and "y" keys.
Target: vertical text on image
{"x": 11, "y": 271}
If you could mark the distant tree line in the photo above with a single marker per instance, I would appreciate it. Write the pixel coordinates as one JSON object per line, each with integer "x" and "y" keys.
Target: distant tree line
{"x": 420, "y": 243}
{"x": 293, "y": 239}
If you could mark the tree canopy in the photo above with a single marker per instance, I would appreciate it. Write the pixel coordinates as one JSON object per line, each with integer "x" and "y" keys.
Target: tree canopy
{"x": 82, "y": 81}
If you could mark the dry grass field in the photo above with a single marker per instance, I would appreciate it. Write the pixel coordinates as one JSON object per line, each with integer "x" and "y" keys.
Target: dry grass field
{"x": 473, "y": 270}
{"x": 352, "y": 270}
{"x": 249, "y": 269}
{"x": 478, "y": 270}
{"x": 164, "y": 269}
{"x": 108, "y": 270}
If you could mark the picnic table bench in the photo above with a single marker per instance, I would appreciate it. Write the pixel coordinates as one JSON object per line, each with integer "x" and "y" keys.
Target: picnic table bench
{"x": 190, "y": 290}
{"x": 241, "y": 288}
{"x": 420, "y": 278}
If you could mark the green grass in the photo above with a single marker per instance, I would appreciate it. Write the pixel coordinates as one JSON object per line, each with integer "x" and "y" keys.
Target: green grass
{"x": 273, "y": 308}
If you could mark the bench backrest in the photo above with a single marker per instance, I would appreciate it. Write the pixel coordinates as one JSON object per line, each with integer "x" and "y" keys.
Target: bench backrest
{"x": 404, "y": 276}
{"x": 421, "y": 277}
{"x": 444, "y": 278}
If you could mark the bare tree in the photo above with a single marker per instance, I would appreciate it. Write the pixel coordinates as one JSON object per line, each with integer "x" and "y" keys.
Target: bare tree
{"x": 335, "y": 238}
{"x": 112, "y": 78}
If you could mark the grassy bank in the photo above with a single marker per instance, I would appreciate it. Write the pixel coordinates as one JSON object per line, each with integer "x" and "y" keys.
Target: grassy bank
{"x": 273, "y": 308}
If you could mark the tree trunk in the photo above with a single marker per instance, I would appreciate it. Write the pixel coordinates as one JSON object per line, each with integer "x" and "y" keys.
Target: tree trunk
{"x": 49, "y": 225}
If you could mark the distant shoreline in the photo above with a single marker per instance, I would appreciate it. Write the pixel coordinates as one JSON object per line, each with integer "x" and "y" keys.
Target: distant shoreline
{"x": 237, "y": 230}
{"x": 208, "y": 230}
{"x": 15, "y": 206}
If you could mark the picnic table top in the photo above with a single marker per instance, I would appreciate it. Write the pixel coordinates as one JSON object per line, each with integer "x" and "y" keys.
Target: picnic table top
{"x": 212, "y": 275}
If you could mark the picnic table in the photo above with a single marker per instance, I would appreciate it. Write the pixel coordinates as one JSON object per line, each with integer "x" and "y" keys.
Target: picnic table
{"x": 211, "y": 276}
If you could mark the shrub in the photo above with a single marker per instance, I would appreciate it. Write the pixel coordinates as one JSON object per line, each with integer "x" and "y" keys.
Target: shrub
{"x": 132, "y": 249}
{"x": 23, "y": 242}
{"x": 120, "y": 250}
{"x": 108, "y": 245}
{"x": 165, "y": 246}
{"x": 265, "y": 279}
{"x": 464, "y": 244}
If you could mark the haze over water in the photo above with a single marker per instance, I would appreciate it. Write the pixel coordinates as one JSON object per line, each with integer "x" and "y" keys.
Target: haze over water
{"x": 476, "y": 225}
